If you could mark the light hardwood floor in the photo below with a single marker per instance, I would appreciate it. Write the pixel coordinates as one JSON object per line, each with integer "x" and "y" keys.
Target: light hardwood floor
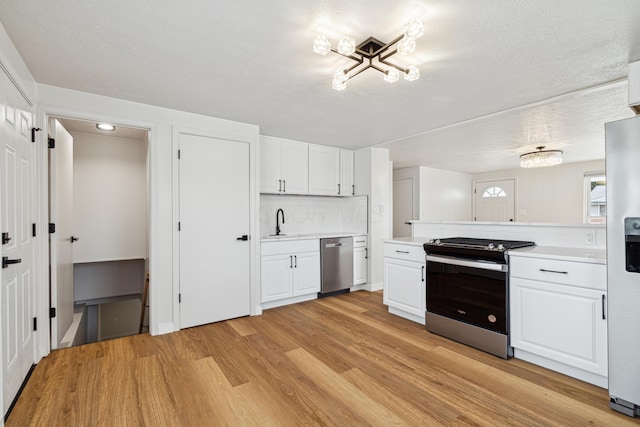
{"x": 336, "y": 361}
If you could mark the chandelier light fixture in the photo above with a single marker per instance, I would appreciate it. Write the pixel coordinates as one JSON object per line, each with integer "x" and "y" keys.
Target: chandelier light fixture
{"x": 541, "y": 158}
{"x": 370, "y": 49}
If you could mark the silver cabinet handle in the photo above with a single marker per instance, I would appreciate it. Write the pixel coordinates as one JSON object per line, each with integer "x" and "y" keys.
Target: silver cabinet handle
{"x": 423, "y": 273}
{"x": 279, "y": 185}
{"x": 338, "y": 188}
{"x": 402, "y": 252}
{"x": 553, "y": 271}
{"x": 290, "y": 261}
{"x": 284, "y": 185}
{"x": 603, "y": 304}
{"x": 295, "y": 258}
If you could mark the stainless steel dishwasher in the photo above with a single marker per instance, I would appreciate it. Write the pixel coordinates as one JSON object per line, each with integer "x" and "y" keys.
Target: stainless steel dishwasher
{"x": 336, "y": 257}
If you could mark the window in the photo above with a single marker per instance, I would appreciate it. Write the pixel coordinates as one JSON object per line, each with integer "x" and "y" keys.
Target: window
{"x": 494, "y": 192}
{"x": 595, "y": 191}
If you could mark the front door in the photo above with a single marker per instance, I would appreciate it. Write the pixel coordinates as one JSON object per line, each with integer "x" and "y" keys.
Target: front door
{"x": 17, "y": 216}
{"x": 214, "y": 214}
{"x": 495, "y": 200}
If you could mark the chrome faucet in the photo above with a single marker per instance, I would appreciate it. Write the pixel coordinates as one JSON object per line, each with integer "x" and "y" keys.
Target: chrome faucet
{"x": 278, "y": 212}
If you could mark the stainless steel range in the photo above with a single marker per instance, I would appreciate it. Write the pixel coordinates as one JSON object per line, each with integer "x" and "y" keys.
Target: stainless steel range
{"x": 468, "y": 293}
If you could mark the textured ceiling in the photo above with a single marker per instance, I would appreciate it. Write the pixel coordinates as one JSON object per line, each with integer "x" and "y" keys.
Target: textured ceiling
{"x": 252, "y": 61}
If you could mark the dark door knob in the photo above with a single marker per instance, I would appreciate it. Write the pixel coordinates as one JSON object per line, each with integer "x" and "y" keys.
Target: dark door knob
{"x": 243, "y": 237}
{"x": 74, "y": 239}
{"x": 5, "y": 238}
{"x": 6, "y": 261}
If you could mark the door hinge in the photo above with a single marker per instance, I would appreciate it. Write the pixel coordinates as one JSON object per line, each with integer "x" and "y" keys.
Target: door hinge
{"x": 33, "y": 134}
{"x": 178, "y": 154}
{"x": 179, "y": 298}
{"x": 33, "y": 230}
{"x": 35, "y": 323}
{"x": 52, "y": 312}
{"x": 52, "y": 143}
{"x": 52, "y": 228}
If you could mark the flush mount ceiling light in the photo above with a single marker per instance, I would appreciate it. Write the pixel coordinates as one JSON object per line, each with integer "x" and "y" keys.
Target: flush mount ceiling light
{"x": 371, "y": 49}
{"x": 541, "y": 158}
{"x": 105, "y": 126}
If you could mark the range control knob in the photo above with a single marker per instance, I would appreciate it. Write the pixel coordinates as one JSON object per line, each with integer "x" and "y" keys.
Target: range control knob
{"x": 438, "y": 242}
{"x": 501, "y": 247}
{"x": 490, "y": 246}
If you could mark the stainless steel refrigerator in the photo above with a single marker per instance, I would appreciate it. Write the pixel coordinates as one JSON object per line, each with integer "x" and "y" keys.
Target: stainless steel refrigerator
{"x": 623, "y": 263}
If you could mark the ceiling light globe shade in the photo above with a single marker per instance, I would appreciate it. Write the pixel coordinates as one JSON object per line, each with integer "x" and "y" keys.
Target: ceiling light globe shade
{"x": 414, "y": 29}
{"x": 338, "y": 85}
{"x": 346, "y": 46}
{"x": 541, "y": 158}
{"x": 412, "y": 73}
{"x": 406, "y": 46}
{"x": 106, "y": 126}
{"x": 321, "y": 45}
{"x": 392, "y": 75}
{"x": 340, "y": 75}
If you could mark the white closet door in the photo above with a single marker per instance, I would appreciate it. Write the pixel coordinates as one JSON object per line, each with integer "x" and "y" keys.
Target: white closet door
{"x": 214, "y": 213}
{"x": 16, "y": 217}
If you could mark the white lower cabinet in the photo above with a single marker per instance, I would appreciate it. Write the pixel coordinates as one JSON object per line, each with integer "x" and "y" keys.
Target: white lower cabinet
{"x": 558, "y": 316}
{"x": 405, "y": 281}
{"x": 290, "y": 271}
{"x": 360, "y": 260}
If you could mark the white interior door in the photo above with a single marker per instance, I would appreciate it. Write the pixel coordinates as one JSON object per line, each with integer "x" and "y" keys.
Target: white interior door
{"x": 495, "y": 200}
{"x": 403, "y": 206}
{"x": 17, "y": 213}
{"x": 214, "y": 213}
{"x": 60, "y": 244}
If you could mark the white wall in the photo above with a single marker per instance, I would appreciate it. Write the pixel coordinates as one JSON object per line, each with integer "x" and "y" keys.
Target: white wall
{"x": 163, "y": 227}
{"x": 374, "y": 178}
{"x": 109, "y": 198}
{"x": 308, "y": 214}
{"x": 554, "y": 194}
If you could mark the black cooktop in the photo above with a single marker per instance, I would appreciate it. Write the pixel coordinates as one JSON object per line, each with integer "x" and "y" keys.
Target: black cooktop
{"x": 472, "y": 248}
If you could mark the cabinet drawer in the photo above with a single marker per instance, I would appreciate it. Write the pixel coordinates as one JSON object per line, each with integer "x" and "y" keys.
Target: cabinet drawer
{"x": 581, "y": 274}
{"x": 359, "y": 241}
{"x": 406, "y": 252}
{"x": 290, "y": 246}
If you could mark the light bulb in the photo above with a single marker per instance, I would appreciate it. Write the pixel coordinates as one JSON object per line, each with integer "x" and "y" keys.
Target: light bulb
{"x": 406, "y": 46}
{"x": 338, "y": 84}
{"x": 321, "y": 45}
{"x": 414, "y": 29}
{"x": 346, "y": 46}
{"x": 392, "y": 75}
{"x": 340, "y": 75}
{"x": 412, "y": 73}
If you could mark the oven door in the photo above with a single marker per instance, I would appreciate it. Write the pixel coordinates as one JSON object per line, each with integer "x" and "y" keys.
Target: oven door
{"x": 473, "y": 292}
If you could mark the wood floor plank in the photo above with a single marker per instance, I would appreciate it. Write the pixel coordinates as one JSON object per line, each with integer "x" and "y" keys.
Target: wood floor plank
{"x": 337, "y": 361}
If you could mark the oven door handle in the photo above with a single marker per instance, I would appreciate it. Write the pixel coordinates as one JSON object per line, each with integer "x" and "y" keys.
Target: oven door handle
{"x": 468, "y": 263}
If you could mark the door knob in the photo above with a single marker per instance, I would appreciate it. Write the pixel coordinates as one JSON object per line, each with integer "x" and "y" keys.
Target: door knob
{"x": 243, "y": 237}
{"x": 5, "y": 238}
{"x": 74, "y": 239}
{"x": 6, "y": 261}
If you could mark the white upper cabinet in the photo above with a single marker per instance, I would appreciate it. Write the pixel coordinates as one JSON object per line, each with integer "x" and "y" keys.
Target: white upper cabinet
{"x": 324, "y": 170}
{"x": 283, "y": 166}
{"x": 346, "y": 173}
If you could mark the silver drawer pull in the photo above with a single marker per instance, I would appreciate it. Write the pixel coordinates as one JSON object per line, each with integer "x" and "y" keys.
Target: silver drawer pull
{"x": 554, "y": 271}
{"x": 402, "y": 252}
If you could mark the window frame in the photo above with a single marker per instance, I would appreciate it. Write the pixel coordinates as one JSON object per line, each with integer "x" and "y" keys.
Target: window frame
{"x": 586, "y": 205}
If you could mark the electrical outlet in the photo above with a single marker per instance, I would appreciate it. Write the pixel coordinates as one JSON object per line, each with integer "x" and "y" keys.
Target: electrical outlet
{"x": 590, "y": 238}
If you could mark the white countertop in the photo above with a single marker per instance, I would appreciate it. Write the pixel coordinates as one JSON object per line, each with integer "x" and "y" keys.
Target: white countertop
{"x": 414, "y": 241}
{"x": 595, "y": 256}
{"x": 305, "y": 236}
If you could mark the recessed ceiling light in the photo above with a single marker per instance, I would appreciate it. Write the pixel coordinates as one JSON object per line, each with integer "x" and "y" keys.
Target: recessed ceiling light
{"x": 105, "y": 126}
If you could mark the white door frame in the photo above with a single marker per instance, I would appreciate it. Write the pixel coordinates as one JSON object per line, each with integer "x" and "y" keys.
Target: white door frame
{"x": 42, "y": 261}
{"x": 515, "y": 193}
{"x": 254, "y": 203}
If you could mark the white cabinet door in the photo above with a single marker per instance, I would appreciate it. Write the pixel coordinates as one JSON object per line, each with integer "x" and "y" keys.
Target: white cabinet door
{"x": 270, "y": 165}
{"x": 563, "y": 323}
{"x": 405, "y": 288}
{"x": 277, "y": 277}
{"x": 295, "y": 167}
{"x": 359, "y": 266}
{"x": 324, "y": 170}
{"x": 306, "y": 273}
{"x": 346, "y": 173}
